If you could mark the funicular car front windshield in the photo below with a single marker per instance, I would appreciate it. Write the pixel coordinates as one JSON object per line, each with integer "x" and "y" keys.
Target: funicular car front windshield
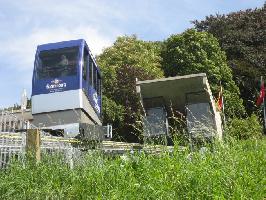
{"x": 57, "y": 63}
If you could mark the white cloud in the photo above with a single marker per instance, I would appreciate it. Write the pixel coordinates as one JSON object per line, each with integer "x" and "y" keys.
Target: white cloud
{"x": 18, "y": 55}
{"x": 20, "y": 51}
{"x": 25, "y": 24}
{"x": 36, "y": 22}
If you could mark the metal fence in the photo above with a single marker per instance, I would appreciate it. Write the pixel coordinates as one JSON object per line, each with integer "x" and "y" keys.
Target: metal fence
{"x": 10, "y": 122}
{"x": 13, "y": 146}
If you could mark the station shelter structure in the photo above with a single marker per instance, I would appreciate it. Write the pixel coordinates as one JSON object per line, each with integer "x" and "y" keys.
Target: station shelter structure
{"x": 186, "y": 97}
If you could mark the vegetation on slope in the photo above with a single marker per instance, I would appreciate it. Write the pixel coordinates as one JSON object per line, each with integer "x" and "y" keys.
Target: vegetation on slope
{"x": 225, "y": 171}
{"x": 187, "y": 53}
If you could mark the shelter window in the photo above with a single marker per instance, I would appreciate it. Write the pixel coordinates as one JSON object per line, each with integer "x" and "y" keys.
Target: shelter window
{"x": 200, "y": 120}
{"x": 57, "y": 63}
{"x": 155, "y": 122}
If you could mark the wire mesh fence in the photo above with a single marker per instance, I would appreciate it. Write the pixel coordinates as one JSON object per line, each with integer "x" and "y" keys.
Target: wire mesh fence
{"x": 13, "y": 140}
{"x": 13, "y": 146}
{"x": 71, "y": 151}
{"x": 12, "y": 121}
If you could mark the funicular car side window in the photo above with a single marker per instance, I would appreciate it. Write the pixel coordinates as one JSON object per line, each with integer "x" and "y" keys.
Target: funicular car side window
{"x": 85, "y": 64}
{"x": 99, "y": 84}
{"x": 91, "y": 72}
{"x": 95, "y": 77}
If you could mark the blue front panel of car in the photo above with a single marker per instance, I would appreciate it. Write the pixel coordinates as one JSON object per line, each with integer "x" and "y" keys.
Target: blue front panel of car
{"x": 57, "y": 84}
{"x": 50, "y": 76}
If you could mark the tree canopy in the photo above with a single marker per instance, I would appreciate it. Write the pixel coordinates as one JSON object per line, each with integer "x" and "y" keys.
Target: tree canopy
{"x": 129, "y": 58}
{"x": 242, "y": 35}
{"x": 199, "y": 52}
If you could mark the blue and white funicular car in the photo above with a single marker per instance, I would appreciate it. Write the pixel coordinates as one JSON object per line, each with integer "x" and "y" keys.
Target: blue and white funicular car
{"x": 66, "y": 87}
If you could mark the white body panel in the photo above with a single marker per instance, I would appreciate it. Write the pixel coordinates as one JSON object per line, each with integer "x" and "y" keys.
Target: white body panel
{"x": 56, "y": 101}
{"x": 60, "y": 101}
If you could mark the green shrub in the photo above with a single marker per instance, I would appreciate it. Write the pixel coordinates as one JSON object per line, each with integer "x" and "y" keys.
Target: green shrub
{"x": 248, "y": 128}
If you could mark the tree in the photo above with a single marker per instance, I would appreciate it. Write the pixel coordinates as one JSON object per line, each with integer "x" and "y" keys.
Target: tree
{"x": 242, "y": 35}
{"x": 199, "y": 52}
{"x": 129, "y": 58}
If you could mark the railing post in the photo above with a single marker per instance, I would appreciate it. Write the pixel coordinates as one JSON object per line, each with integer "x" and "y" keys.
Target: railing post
{"x": 2, "y": 121}
{"x": 107, "y": 130}
{"x": 111, "y": 131}
{"x": 33, "y": 141}
{"x": 9, "y": 123}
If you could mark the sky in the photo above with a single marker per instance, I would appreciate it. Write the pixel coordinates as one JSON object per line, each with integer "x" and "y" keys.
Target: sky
{"x": 24, "y": 24}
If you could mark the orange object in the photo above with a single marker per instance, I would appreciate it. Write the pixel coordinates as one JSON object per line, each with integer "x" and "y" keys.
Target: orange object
{"x": 220, "y": 100}
{"x": 262, "y": 94}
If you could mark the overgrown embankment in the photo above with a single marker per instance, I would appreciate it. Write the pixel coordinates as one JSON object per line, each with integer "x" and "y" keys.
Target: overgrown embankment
{"x": 229, "y": 171}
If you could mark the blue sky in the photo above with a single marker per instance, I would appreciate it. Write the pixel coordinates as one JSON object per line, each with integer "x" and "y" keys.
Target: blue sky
{"x": 26, "y": 23}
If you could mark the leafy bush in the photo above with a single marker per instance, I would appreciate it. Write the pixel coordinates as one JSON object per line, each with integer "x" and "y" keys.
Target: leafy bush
{"x": 112, "y": 112}
{"x": 129, "y": 58}
{"x": 248, "y": 128}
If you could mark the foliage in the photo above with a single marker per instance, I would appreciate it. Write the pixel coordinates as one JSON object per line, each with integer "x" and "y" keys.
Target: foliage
{"x": 199, "y": 52}
{"x": 235, "y": 171}
{"x": 128, "y": 51}
{"x": 242, "y": 35}
{"x": 248, "y": 128}
{"x": 112, "y": 112}
{"x": 129, "y": 58}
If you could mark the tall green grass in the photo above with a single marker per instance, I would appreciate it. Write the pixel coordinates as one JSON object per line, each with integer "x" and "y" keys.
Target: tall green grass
{"x": 225, "y": 171}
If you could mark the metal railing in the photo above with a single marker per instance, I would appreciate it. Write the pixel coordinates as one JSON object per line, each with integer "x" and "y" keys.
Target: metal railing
{"x": 9, "y": 122}
{"x": 13, "y": 146}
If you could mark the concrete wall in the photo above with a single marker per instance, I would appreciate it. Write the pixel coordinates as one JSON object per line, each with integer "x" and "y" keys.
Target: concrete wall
{"x": 217, "y": 116}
